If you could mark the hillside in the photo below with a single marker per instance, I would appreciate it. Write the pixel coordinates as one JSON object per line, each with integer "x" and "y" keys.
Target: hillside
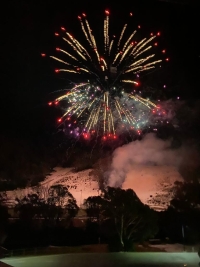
{"x": 152, "y": 184}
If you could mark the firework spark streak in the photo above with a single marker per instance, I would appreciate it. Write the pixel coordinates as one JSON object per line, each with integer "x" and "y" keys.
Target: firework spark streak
{"x": 105, "y": 102}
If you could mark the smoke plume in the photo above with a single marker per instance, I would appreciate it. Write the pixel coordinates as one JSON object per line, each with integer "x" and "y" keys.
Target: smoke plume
{"x": 149, "y": 151}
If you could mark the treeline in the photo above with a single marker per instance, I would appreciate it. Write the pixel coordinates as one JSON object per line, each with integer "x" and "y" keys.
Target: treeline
{"x": 117, "y": 217}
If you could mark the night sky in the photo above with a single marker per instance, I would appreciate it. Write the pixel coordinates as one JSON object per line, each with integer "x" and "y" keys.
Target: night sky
{"x": 27, "y": 30}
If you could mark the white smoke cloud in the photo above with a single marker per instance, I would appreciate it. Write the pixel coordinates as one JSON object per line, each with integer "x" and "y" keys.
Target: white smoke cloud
{"x": 149, "y": 151}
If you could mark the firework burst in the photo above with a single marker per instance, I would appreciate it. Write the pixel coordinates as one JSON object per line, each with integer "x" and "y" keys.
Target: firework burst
{"x": 105, "y": 102}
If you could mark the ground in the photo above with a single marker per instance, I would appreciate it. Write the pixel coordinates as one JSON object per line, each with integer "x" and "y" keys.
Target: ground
{"x": 107, "y": 260}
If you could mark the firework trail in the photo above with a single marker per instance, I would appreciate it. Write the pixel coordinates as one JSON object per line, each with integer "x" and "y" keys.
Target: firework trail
{"x": 105, "y": 103}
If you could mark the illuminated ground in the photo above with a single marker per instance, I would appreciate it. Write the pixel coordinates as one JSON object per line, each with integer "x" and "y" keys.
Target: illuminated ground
{"x": 107, "y": 260}
{"x": 152, "y": 184}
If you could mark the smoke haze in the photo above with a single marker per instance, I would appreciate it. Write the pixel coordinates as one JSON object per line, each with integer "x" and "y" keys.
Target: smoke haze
{"x": 150, "y": 151}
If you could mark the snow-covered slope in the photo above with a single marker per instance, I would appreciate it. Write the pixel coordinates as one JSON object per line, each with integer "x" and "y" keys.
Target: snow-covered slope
{"x": 152, "y": 184}
{"x": 80, "y": 184}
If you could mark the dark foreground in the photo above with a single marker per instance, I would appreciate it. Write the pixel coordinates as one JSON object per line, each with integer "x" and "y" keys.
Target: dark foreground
{"x": 106, "y": 260}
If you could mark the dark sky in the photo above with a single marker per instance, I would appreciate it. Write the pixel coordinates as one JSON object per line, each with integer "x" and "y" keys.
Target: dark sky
{"x": 28, "y": 27}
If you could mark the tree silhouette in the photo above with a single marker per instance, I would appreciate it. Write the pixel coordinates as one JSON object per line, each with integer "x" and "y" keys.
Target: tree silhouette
{"x": 133, "y": 221}
{"x": 3, "y": 219}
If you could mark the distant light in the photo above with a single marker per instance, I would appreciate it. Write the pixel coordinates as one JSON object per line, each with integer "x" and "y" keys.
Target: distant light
{"x": 56, "y": 34}
{"x": 164, "y": 86}
{"x": 63, "y": 29}
{"x": 59, "y": 120}
{"x": 50, "y": 103}
{"x": 43, "y": 55}
{"x": 57, "y": 49}
{"x": 84, "y": 15}
{"x": 107, "y": 12}
{"x": 167, "y": 59}
{"x": 178, "y": 97}
{"x": 79, "y": 17}
{"x": 158, "y": 34}
{"x": 163, "y": 51}
{"x": 139, "y": 26}
{"x": 131, "y": 14}
{"x": 56, "y": 70}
